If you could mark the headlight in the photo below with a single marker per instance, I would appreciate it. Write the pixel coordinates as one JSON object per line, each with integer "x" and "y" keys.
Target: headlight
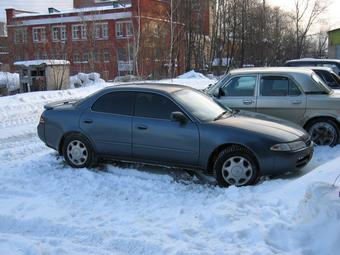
{"x": 294, "y": 146}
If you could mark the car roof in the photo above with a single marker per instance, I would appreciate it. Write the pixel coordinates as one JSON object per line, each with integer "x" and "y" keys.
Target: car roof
{"x": 292, "y": 70}
{"x": 314, "y": 60}
{"x": 149, "y": 86}
{"x": 321, "y": 68}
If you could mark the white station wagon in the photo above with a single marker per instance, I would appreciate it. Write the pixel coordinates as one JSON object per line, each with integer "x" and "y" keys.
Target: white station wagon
{"x": 294, "y": 94}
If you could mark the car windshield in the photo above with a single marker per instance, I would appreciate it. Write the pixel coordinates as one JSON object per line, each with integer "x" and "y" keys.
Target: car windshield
{"x": 201, "y": 106}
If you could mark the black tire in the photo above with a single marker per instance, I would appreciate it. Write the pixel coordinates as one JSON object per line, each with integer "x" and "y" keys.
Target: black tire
{"x": 323, "y": 132}
{"x": 85, "y": 150}
{"x": 237, "y": 155}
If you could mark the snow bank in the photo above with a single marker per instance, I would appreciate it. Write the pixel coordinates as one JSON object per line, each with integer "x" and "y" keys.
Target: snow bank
{"x": 41, "y": 62}
{"x": 10, "y": 80}
{"x": 319, "y": 219}
{"x": 192, "y": 75}
{"x": 85, "y": 80}
{"x": 49, "y": 208}
{"x": 191, "y": 79}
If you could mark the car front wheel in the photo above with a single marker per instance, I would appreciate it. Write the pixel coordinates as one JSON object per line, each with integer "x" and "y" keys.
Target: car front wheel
{"x": 237, "y": 166}
{"x": 323, "y": 132}
{"x": 77, "y": 151}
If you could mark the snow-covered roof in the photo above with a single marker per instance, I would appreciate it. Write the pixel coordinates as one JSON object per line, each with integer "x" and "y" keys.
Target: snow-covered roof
{"x": 48, "y": 62}
{"x": 75, "y": 10}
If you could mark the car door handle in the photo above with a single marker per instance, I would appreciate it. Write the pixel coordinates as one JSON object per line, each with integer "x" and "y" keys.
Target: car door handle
{"x": 297, "y": 102}
{"x": 248, "y": 102}
{"x": 142, "y": 127}
{"x": 88, "y": 121}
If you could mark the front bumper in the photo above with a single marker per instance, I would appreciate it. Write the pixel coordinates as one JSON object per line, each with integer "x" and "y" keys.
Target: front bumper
{"x": 41, "y": 131}
{"x": 293, "y": 160}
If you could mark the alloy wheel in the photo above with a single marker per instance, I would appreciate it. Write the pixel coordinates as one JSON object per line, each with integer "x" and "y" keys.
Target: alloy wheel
{"x": 323, "y": 133}
{"x": 237, "y": 171}
{"x": 77, "y": 152}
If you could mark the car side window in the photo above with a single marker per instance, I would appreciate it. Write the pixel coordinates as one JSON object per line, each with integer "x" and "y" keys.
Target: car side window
{"x": 115, "y": 103}
{"x": 278, "y": 86}
{"x": 154, "y": 106}
{"x": 240, "y": 86}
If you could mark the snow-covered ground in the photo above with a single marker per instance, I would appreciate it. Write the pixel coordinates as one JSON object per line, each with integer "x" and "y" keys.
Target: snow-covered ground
{"x": 47, "y": 207}
{"x": 10, "y": 81}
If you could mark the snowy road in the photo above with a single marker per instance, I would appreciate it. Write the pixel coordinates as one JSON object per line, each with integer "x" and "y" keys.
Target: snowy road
{"x": 48, "y": 208}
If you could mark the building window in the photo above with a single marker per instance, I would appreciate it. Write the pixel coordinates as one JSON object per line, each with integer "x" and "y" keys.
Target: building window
{"x": 97, "y": 31}
{"x": 106, "y": 56}
{"x": 119, "y": 30}
{"x": 96, "y": 56}
{"x": 58, "y": 33}
{"x": 85, "y": 57}
{"x": 76, "y": 58}
{"x": 63, "y": 34}
{"x": 75, "y": 32}
{"x": 39, "y": 34}
{"x": 129, "y": 29}
{"x": 37, "y": 55}
{"x": 124, "y": 29}
{"x": 83, "y": 32}
{"x": 20, "y": 35}
{"x": 55, "y": 34}
{"x": 79, "y": 32}
{"x": 101, "y": 31}
{"x": 105, "y": 30}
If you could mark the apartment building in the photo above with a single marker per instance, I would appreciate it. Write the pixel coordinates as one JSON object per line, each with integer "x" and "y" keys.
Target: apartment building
{"x": 113, "y": 38}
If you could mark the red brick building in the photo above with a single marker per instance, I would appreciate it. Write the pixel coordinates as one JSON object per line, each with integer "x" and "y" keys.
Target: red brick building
{"x": 109, "y": 37}
{"x": 4, "y": 54}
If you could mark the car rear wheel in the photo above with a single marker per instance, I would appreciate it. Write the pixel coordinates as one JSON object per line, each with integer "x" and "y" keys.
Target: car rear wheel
{"x": 78, "y": 151}
{"x": 237, "y": 166}
{"x": 323, "y": 132}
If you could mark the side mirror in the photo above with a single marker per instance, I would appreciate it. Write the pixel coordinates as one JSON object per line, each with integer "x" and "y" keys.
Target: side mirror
{"x": 221, "y": 92}
{"x": 178, "y": 116}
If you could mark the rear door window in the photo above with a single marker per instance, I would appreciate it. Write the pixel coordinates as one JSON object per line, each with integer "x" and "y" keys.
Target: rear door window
{"x": 151, "y": 105}
{"x": 115, "y": 103}
{"x": 278, "y": 86}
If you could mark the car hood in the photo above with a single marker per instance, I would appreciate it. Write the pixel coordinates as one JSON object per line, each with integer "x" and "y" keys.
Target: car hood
{"x": 282, "y": 130}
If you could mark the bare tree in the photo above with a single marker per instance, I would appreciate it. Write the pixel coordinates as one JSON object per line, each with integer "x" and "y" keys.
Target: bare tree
{"x": 306, "y": 13}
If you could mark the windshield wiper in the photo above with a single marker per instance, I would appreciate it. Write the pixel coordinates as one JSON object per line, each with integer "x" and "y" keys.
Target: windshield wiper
{"x": 221, "y": 115}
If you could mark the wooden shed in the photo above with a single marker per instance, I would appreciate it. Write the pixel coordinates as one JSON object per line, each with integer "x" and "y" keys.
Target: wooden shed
{"x": 39, "y": 75}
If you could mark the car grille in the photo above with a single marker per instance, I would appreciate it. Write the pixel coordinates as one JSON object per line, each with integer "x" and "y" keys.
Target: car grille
{"x": 308, "y": 142}
{"x": 302, "y": 161}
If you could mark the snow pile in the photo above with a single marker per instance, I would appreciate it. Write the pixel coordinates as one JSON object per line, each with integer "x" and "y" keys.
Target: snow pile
{"x": 192, "y": 75}
{"x": 191, "y": 79}
{"x": 40, "y": 62}
{"x": 11, "y": 81}
{"x": 85, "y": 80}
{"x": 319, "y": 219}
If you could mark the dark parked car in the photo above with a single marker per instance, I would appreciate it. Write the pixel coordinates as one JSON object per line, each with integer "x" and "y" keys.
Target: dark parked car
{"x": 328, "y": 76}
{"x": 174, "y": 126}
{"x": 332, "y": 63}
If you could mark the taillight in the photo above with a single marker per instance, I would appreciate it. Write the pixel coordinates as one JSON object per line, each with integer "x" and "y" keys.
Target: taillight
{"x": 42, "y": 120}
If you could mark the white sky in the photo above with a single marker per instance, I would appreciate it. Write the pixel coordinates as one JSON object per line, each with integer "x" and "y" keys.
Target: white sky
{"x": 331, "y": 18}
